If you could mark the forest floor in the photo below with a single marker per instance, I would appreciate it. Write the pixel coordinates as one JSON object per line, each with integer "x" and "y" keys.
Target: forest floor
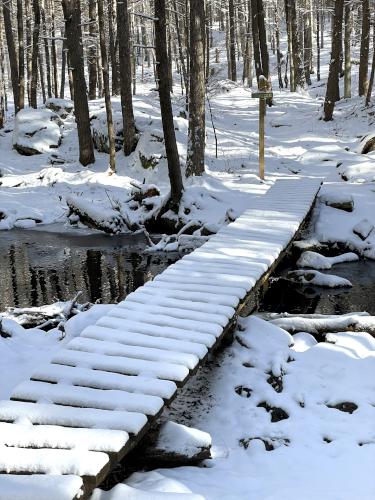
{"x": 319, "y": 451}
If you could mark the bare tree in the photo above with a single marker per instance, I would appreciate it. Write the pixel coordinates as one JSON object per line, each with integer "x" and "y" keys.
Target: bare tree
{"x": 232, "y": 38}
{"x": 123, "y": 31}
{"x": 347, "y": 51}
{"x": 73, "y": 33}
{"x": 35, "y": 56}
{"x": 107, "y": 92}
{"x": 174, "y": 169}
{"x": 365, "y": 46}
{"x": 13, "y": 61}
{"x": 197, "y": 131}
{"x": 21, "y": 54}
{"x": 333, "y": 92}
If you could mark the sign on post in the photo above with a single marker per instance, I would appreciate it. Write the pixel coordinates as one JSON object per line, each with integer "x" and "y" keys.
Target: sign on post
{"x": 263, "y": 96}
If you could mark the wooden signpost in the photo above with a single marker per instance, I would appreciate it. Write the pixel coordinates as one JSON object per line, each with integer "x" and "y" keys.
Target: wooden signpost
{"x": 263, "y": 96}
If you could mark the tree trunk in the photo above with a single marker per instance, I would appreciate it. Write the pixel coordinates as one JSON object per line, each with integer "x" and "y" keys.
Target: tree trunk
{"x": 92, "y": 59}
{"x": 12, "y": 55}
{"x": 21, "y": 54}
{"x": 63, "y": 67}
{"x": 112, "y": 47}
{"x": 107, "y": 92}
{"x": 263, "y": 40}
{"x": 333, "y": 92}
{"x": 2, "y": 79}
{"x": 292, "y": 82}
{"x": 53, "y": 50}
{"x": 46, "y": 50}
{"x": 256, "y": 43}
{"x": 197, "y": 131}
{"x": 180, "y": 49}
{"x": 28, "y": 48}
{"x": 73, "y": 33}
{"x": 307, "y": 46}
{"x": 371, "y": 84}
{"x": 347, "y": 52}
{"x": 125, "y": 76}
{"x": 174, "y": 169}
{"x": 232, "y": 41}
{"x": 296, "y": 47}
{"x": 364, "y": 52}
{"x": 34, "y": 56}
{"x": 318, "y": 28}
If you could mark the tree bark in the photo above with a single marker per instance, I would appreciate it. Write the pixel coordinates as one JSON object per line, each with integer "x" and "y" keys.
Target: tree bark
{"x": 299, "y": 73}
{"x": 232, "y": 41}
{"x": 364, "y": 52}
{"x": 107, "y": 92}
{"x": 333, "y": 92}
{"x": 12, "y": 54}
{"x": 371, "y": 84}
{"x": 21, "y": 54}
{"x": 347, "y": 52}
{"x": 53, "y": 50}
{"x": 125, "y": 76}
{"x": 197, "y": 131}
{"x": 92, "y": 60}
{"x": 174, "y": 169}
{"x": 73, "y": 33}
{"x": 34, "y": 56}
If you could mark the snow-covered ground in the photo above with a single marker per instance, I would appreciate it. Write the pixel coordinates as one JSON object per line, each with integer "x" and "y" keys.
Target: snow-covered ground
{"x": 276, "y": 431}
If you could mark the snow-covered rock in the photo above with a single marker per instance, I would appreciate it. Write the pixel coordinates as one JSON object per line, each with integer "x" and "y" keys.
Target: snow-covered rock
{"x": 312, "y": 277}
{"x": 315, "y": 260}
{"x": 341, "y": 201}
{"x": 182, "y": 443}
{"x": 363, "y": 229}
{"x": 63, "y": 107}
{"x": 367, "y": 144}
{"x": 99, "y": 129}
{"x": 147, "y": 486}
{"x": 358, "y": 172}
{"x": 36, "y": 131}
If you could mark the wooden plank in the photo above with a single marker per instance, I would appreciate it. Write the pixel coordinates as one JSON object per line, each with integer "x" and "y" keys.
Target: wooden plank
{"x": 98, "y": 379}
{"x": 132, "y": 338}
{"x": 122, "y": 364}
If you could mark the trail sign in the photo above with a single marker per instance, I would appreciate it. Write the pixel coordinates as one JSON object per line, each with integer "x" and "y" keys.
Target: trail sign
{"x": 262, "y": 96}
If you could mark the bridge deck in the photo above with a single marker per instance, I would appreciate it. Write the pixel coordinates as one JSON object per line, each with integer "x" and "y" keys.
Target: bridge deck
{"x": 65, "y": 428}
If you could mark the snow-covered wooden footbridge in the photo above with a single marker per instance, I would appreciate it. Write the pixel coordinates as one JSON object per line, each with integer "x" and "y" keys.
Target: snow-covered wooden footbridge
{"x": 64, "y": 429}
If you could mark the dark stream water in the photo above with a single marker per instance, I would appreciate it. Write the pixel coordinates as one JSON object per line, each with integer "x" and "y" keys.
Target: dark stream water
{"x": 283, "y": 296}
{"x": 40, "y": 267}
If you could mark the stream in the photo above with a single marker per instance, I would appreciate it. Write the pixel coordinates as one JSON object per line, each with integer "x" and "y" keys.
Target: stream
{"x": 284, "y": 296}
{"x": 39, "y": 267}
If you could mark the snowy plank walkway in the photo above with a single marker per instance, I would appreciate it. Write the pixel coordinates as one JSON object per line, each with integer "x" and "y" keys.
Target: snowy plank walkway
{"x": 77, "y": 416}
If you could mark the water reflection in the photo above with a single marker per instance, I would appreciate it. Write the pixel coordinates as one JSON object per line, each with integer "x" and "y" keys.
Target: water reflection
{"x": 283, "y": 296}
{"x": 38, "y": 268}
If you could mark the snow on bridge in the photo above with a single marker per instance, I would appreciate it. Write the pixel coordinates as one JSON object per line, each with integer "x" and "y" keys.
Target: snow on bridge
{"x": 64, "y": 429}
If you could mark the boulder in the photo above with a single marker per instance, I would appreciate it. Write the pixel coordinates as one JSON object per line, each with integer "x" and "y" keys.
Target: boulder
{"x": 175, "y": 445}
{"x": 338, "y": 200}
{"x": 367, "y": 144}
{"x": 36, "y": 131}
{"x": 363, "y": 229}
{"x": 62, "y": 107}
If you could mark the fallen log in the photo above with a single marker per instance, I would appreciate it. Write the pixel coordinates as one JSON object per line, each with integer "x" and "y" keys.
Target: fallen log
{"x": 108, "y": 220}
{"x": 320, "y": 324}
